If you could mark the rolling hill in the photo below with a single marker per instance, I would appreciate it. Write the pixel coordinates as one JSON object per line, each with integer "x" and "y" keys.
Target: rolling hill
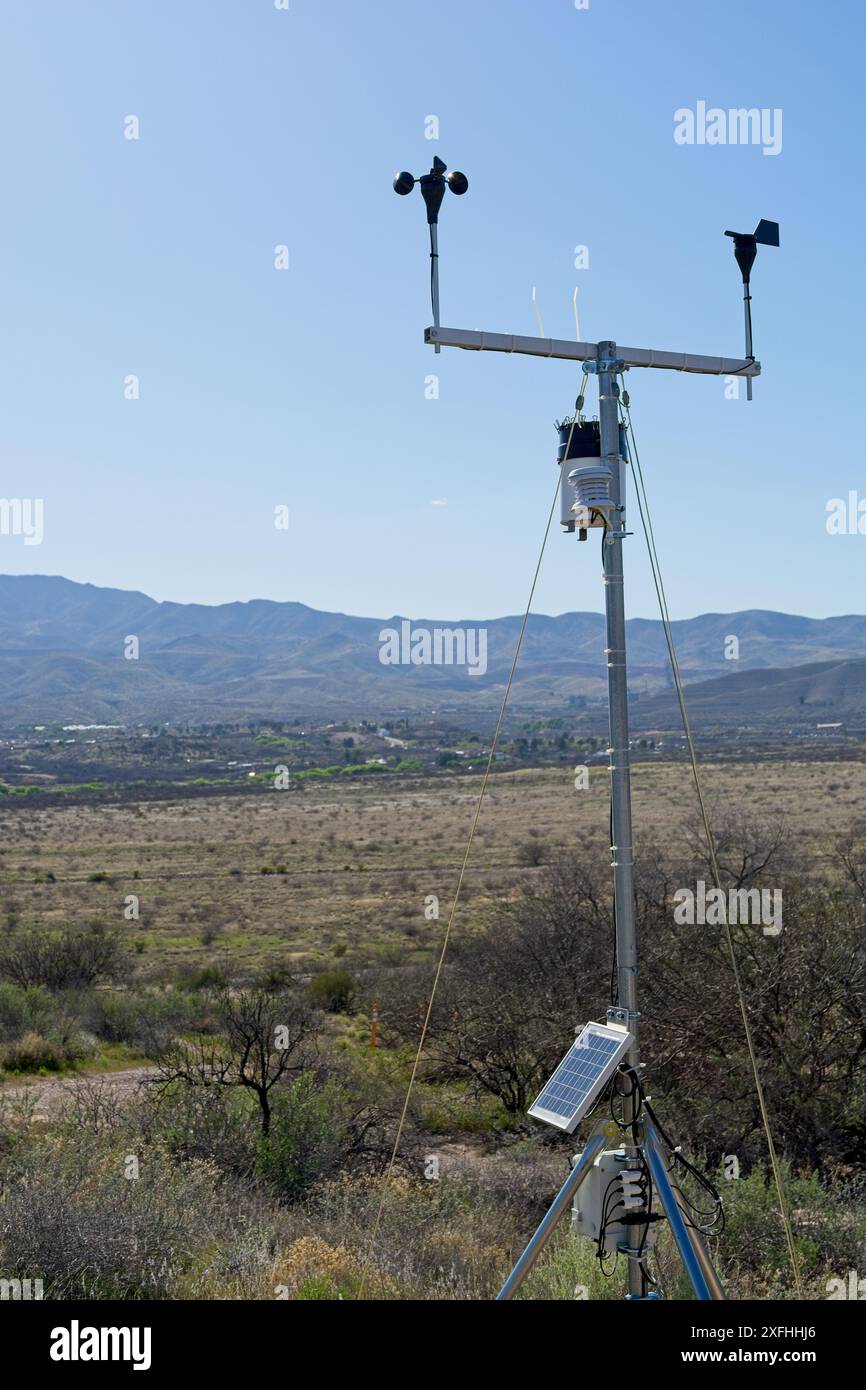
{"x": 62, "y": 657}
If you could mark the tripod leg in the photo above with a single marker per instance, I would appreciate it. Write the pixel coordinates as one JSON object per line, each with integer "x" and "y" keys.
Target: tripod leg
{"x": 717, "y": 1293}
{"x": 693, "y": 1254}
{"x": 560, "y": 1204}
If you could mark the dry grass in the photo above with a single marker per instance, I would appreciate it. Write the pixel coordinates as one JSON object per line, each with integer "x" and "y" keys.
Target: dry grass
{"x": 352, "y": 871}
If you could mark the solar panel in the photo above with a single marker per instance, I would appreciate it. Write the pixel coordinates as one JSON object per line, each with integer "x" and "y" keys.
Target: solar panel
{"x": 587, "y": 1066}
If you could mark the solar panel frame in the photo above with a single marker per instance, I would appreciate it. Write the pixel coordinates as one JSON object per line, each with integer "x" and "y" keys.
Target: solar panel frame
{"x": 585, "y": 1069}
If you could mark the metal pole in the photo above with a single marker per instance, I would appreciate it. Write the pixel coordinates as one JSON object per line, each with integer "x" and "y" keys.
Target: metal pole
{"x": 560, "y": 1205}
{"x": 434, "y": 275}
{"x": 747, "y": 306}
{"x": 695, "y": 1264}
{"x": 622, "y": 855}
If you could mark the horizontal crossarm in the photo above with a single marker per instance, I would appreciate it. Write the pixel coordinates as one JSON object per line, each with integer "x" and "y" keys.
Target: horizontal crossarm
{"x": 586, "y": 352}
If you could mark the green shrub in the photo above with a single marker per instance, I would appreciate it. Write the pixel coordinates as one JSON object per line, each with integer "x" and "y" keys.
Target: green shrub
{"x": 74, "y": 1216}
{"x": 115, "y": 1018}
{"x": 829, "y": 1232}
{"x": 204, "y": 1122}
{"x": 333, "y": 990}
{"x": 73, "y": 960}
{"x": 531, "y": 853}
{"x": 205, "y": 977}
{"x": 306, "y": 1138}
{"x": 275, "y": 977}
{"x": 146, "y": 1020}
{"x": 34, "y": 1053}
{"x": 23, "y": 1010}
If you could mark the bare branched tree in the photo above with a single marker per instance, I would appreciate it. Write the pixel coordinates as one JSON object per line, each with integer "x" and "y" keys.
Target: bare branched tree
{"x": 746, "y": 848}
{"x": 507, "y": 1004}
{"x": 263, "y": 1039}
{"x": 849, "y": 851}
{"x": 510, "y": 997}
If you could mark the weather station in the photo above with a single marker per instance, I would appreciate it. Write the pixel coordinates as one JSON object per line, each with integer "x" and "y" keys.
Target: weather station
{"x": 628, "y": 1178}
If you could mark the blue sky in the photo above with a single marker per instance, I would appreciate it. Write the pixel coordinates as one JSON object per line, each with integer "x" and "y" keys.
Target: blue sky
{"x": 305, "y": 387}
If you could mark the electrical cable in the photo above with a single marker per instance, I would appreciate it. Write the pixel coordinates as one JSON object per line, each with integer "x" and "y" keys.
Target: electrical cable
{"x": 646, "y": 521}
{"x": 606, "y": 1214}
{"x": 716, "y": 1217}
{"x": 608, "y": 1211}
{"x": 625, "y": 1070}
{"x": 649, "y": 1207}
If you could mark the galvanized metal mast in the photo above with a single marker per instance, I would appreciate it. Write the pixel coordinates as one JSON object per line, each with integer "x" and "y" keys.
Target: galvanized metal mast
{"x": 621, "y": 849}
{"x": 622, "y": 852}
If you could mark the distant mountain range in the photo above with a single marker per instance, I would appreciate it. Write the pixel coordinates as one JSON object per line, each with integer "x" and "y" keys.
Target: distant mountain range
{"x": 63, "y": 657}
{"x": 796, "y": 698}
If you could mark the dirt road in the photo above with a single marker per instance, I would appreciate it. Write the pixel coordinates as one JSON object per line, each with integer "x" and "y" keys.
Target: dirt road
{"x": 49, "y": 1093}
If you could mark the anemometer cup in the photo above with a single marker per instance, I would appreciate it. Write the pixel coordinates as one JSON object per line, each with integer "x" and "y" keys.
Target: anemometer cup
{"x": 404, "y": 183}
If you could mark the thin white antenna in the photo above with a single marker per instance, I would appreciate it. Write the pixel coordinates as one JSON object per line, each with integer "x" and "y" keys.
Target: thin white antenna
{"x": 537, "y": 312}
{"x": 576, "y": 316}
